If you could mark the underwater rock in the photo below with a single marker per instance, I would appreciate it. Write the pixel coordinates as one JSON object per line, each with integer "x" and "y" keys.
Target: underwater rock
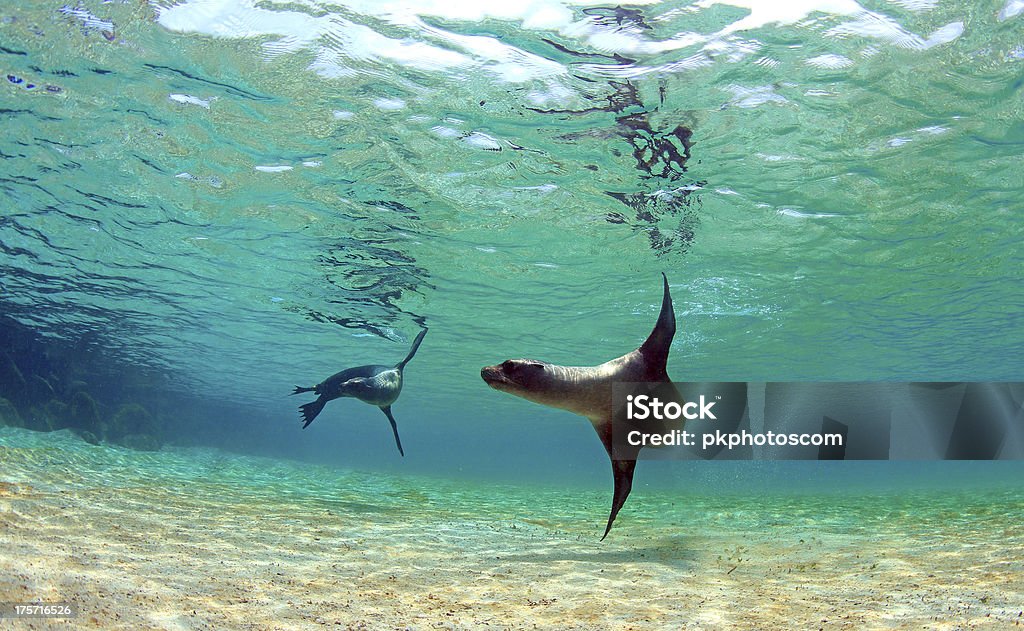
{"x": 9, "y": 414}
{"x": 141, "y": 442}
{"x": 131, "y": 418}
{"x": 84, "y": 412}
{"x": 39, "y": 389}
{"x": 59, "y": 413}
{"x": 89, "y": 437}
{"x": 38, "y": 419}
{"x": 12, "y": 382}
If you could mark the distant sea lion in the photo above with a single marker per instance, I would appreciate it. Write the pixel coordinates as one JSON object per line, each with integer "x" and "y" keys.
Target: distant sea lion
{"x": 588, "y": 390}
{"x": 376, "y": 385}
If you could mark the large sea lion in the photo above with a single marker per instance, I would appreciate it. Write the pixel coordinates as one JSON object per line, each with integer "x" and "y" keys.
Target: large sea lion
{"x": 587, "y": 391}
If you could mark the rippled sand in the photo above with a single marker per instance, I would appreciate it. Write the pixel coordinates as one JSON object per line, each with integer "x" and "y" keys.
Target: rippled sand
{"x": 202, "y": 539}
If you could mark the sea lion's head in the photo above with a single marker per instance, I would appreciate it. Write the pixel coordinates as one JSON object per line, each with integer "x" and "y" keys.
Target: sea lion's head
{"x": 527, "y": 378}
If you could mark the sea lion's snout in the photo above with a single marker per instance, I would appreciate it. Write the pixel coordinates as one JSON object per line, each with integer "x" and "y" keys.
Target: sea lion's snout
{"x": 492, "y": 375}
{"x": 499, "y": 377}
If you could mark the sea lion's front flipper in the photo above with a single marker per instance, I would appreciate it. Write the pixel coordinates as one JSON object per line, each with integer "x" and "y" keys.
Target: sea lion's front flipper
{"x": 622, "y": 468}
{"x": 310, "y": 410}
{"x": 623, "y": 472}
{"x": 394, "y": 426}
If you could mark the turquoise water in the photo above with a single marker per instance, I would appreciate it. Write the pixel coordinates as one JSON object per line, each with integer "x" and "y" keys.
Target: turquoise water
{"x": 241, "y": 197}
{"x": 227, "y": 199}
{"x": 206, "y": 203}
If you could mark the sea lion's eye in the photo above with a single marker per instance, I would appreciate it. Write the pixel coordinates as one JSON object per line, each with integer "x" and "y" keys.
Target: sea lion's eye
{"x": 508, "y": 365}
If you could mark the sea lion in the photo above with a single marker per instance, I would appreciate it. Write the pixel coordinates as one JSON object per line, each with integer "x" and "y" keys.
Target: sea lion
{"x": 376, "y": 385}
{"x": 587, "y": 391}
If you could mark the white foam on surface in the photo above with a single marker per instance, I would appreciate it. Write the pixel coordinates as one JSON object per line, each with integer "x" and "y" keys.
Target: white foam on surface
{"x": 88, "y": 20}
{"x": 768, "y": 12}
{"x": 343, "y": 47}
{"x": 1012, "y": 9}
{"x": 883, "y": 27}
{"x": 772, "y": 157}
{"x": 790, "y": 212}
{"x": 388, "y": 104}
{"x": 756, "y": 96}
{"x": 543, "y": 188}
{"x": 445, "y": 132}
{"x": 188, "y": 99}
{"x": 481, "y": 141}
{"x": 829, "y": 62}
{"x": 916, "y": 5}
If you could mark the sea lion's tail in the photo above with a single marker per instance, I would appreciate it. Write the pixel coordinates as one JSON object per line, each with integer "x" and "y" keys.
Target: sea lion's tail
{"x": 412, "y": 351}
{"x": 300, "y": 390}
{"x": 310, "y": 411}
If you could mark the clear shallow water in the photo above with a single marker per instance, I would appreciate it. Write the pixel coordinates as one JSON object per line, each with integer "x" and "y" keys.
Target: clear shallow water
{"x": 223, "y": 201}
{"x": 135, "y": 538}
{"x": 246, "y": 196}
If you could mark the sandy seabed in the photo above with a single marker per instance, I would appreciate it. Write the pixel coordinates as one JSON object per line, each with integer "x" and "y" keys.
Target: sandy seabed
{"x": 207, "y": 540}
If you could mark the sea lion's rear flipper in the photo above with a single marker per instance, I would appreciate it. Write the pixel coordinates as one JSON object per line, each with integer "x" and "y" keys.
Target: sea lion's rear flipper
{"x": 623, "y": 472}
{"x": 300, "y": 390}
{"x": 394, "y": 426}
{"x": 310, "y": 411}
{"x": 412, "y": 351}
{"x": 655, "y": 348}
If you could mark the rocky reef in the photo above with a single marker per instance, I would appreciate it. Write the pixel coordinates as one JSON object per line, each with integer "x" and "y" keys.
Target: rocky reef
{"x": 44, "y": 388}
